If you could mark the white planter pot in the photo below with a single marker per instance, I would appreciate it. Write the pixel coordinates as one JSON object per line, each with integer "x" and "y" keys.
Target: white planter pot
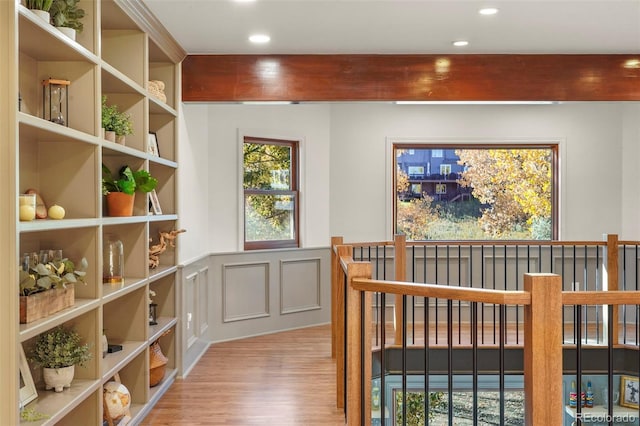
{"x": 58, "y": 378}
{"x": 42, "y": 15}
{"x": 69, "y": 32}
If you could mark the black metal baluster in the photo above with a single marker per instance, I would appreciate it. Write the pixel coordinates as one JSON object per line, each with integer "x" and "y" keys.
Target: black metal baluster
{"x": 503, "y": 309}
{"x": 436, "y": 282}
{"x": 363, "y": 345}
{"x": 578, "y": 339}
{"x": 413, "y": 299}
{"x": 518, "y": 307}
{"x": 459, "y": 302}
{"x": 383, "y": 359}
{"x": 482, "y": 286}
{"x": 404, "y": 360}
{"x": 493, "y": 267}
{"x": 450, "y": 357}
{"x": 474, "y": 338}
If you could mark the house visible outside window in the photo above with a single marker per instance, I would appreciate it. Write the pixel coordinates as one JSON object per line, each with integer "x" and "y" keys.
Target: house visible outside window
{"x": 506, "y": 192}
{"x": 416, "y": 188}
{"x": 416, "y": 170}
{"x": 270, "y": 184}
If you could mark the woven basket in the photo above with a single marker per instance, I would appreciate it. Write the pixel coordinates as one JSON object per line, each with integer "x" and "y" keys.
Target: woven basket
{"x": 157, "y": 364}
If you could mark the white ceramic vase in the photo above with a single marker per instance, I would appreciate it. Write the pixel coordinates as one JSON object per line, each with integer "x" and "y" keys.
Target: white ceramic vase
{"x": 42, "y": 14}
{"x": 69, "y": 32}
{"x": 58, "y": 378}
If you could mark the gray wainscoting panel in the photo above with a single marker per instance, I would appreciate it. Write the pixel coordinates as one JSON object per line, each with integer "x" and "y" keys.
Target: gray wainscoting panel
{"x": 245, "y": 291}
{"x": 299, "y": 285}
{"x": 203, "y": 301}
{"x": 190, "y": 308}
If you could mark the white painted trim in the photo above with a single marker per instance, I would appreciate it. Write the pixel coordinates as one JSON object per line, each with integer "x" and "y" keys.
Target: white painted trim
{"x": 302, "y": 167}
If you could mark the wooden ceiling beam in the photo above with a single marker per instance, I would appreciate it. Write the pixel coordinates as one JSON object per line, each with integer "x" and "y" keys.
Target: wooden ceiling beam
{"x": 317, "y": 78}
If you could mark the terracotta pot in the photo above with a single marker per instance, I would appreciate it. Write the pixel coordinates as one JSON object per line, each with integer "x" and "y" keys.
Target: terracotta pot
{"x": 58, "y": 378}
{"x": 120, "y": 204}
{"x": 110, "y": 135}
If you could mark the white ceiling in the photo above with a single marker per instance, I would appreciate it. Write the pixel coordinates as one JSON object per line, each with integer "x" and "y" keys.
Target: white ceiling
{"x": 402, "y": 26}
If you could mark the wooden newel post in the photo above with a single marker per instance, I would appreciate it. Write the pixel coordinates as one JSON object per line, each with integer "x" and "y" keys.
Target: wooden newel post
{"x": 400, "y": 267}
{"x": 339, "y": 328}
{"x": 543, "y": 350}
{"x": 358, "y": 348}
{"x": 335, "y": 270}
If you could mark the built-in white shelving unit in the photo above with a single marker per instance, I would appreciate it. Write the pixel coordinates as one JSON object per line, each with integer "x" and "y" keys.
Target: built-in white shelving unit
{"x": 121, "y": 48}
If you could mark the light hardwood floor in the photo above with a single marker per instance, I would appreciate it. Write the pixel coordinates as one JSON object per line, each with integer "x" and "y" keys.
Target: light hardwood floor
{"x": 280, "y": 379}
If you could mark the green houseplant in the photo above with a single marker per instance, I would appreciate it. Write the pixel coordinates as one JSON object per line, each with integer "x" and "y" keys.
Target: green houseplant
{"x": 46, "y": 288}
{"x": 40, "y": 8}
{"x": 66, "y": 14}
{"x": 120, "y": 191}
{"x": 115, "y": 122}
{"x": 58, "y": 351}
{"x": 44, "y": 5}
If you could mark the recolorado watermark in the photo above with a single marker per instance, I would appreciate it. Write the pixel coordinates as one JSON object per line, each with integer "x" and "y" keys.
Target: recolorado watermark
{"x": 606, "y": 418}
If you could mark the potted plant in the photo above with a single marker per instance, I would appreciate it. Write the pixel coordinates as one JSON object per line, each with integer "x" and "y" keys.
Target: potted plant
{"x": 117, "y": 124}
{"x": 120, "y": 191}
{"x": 46, "y": 288}
{"x": 67, "y": 17}
{"x": 58, "y": 351}
{"x": 40, "y": 8}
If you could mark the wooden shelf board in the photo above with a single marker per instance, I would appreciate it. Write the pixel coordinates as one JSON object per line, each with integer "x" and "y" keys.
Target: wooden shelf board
{"x": 114, "y": 362}
{"x": 114, "y": 81}
{"x": 32, "y": 127}
{"x": 116, "y": 150}
{"x": 164, "y": 324}
{"x": 46, "y": 43}
{"x": 156, "y": 106}
{"x": 107, "y": 220}
{"x": 113, "y": 291}
{"x": 162, "y": 161}
{"x": 161, "y": 271}
{"x": 58, "y": 404}
{"x": 163, "y": 217}
{"x": 81, "y": 306}
{"x": 52, "y": 225}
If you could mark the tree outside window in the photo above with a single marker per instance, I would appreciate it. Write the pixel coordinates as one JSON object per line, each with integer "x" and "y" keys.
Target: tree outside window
{"x": 270, "y": 186}
{"x": 500, "y": 192}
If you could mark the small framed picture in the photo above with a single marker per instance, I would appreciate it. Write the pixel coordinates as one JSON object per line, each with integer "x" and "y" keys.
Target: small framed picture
{"x": 152, "y": 144}
{"x": 27, "y": 388}
{"x": 629, "y": 392}
{"x": 154, "y": 203}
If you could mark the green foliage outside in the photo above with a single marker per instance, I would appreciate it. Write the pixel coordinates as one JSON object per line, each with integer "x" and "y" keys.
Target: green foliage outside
{"x": 268, "y": 215}
{"x": 511, "y": 199}
{"x": 415, "y": 407}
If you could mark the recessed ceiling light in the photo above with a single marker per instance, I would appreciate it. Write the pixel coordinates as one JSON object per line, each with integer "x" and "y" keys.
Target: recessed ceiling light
{"x": 488, "y": 11}
{"x": 460, "y": 43}
{"x": 259, "y": 38}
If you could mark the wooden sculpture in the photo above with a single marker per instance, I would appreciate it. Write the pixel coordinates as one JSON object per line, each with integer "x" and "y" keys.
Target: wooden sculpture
{"x": 166, "y": 239}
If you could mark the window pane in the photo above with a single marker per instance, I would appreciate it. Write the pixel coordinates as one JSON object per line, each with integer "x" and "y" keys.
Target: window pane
{"x": 269, "y": 217}
{"x": 267, "y": 166}
{"x": 475, "y": 193}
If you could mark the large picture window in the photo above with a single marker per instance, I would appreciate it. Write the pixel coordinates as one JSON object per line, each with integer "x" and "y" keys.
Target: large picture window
{"x": 480, "y": 193}
{"x": 270, "y": 185}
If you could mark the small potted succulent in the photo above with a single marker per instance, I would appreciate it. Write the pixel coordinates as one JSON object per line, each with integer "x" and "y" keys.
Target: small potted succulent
{"x": 67, "y": 17}
{"x": 58, "y": 351}
{"x": 116, "y": 124}
{"x": 120, "y": 191}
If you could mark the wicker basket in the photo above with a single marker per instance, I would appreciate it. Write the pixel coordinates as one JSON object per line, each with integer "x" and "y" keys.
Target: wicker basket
{"x": 157, "y": 364}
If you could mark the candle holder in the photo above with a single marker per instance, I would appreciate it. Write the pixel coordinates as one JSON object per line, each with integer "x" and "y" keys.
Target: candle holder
{"x": 55, "y": 101}
{"x": 153, "y": 313}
